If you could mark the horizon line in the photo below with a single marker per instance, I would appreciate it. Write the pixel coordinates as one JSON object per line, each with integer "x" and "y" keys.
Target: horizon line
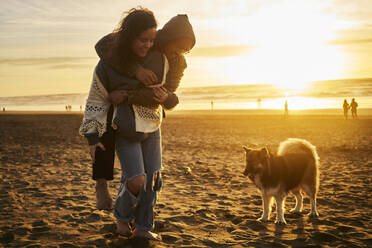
{"x": 206, "y": 86}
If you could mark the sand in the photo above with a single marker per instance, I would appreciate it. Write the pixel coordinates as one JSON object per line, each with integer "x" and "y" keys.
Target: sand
{"x": 47, "y": 196}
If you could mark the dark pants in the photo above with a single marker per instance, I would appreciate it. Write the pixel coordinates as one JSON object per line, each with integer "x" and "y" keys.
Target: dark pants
{"x": 103, "y": 167}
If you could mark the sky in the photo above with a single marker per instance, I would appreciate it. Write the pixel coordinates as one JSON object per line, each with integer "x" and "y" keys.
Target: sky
{"x": 47, "y": 46}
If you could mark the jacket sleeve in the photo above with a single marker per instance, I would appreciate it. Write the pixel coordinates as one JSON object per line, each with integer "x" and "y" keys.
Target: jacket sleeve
{"x": 113, "y": 80}
{"x": 157, "y": 63}
{"x": 176, "y": 69}
{"x": 95, "y": 115}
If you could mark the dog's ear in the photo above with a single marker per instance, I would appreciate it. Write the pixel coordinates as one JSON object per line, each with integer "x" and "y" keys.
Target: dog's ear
{"x": 246, "y": 149}
{"x": 264, "y": 153}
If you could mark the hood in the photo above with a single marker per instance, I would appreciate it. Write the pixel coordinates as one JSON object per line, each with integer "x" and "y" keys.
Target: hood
{"x": 105, "y": 51}
{"x": 104, "y": 47}
{"x": 177, "y": 27}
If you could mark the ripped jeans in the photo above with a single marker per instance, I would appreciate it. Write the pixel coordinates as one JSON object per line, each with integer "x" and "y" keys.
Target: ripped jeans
{"x": 136, "y": 159}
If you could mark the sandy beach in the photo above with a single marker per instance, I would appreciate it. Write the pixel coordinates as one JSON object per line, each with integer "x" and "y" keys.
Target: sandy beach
{"x": 47, "y": 196}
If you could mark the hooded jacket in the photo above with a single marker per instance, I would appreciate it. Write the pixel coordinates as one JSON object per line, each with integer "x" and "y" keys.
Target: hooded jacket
{"x": 176, "y": 28}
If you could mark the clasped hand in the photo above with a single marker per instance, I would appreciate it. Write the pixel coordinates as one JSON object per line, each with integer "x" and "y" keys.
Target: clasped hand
{"x": 147, "y": 78}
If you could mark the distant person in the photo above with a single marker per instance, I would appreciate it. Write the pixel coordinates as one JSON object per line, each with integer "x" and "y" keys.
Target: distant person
{"x": 346, "y": 107}
{"x": 259, "y": 103}
{"x": 3, "y": 109}
{"x": 212, "y": 105}
{"x": 81, "y": 108}
{"x": 66, "y": 107}
{"x": 286, "y": 109}
{"x": 354, "y": 106}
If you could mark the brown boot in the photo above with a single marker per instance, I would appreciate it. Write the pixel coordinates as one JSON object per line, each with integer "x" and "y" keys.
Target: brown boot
{"x": 104, "y": 200}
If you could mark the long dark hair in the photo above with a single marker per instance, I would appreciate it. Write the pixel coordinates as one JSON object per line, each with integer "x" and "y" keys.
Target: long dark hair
{"x": 136, "y": 21}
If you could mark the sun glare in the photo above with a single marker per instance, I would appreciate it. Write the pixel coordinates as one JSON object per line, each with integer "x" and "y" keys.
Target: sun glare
{"x": 290, "y": 47}
{"x": 295, "y": 103}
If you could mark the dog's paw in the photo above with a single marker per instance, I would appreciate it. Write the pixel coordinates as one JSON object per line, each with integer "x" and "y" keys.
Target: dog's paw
{"x": 280, "y": 222}
{"x": 262, "y": 219}
{"x": 313, "y": 215}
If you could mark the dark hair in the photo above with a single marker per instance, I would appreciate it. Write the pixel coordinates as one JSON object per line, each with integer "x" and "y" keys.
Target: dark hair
{"x": 136, "y": 21}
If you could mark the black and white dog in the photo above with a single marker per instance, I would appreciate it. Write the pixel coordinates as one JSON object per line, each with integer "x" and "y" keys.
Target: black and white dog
{"x": 294, "y": 169}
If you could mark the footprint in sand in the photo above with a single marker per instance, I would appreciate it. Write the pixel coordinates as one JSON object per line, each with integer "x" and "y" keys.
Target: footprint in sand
{"x": 255, "y": 225}
{"x": 39, "y": 228}
{"x": 93, "y": 217}
{"x": 170, "y": 239}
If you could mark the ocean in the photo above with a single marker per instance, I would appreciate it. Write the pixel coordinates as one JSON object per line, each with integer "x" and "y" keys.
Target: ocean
{"x": 328, "y": 94}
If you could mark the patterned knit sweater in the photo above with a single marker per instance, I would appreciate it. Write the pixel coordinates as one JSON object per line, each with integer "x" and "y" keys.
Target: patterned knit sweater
{"x": 105, "y": 79}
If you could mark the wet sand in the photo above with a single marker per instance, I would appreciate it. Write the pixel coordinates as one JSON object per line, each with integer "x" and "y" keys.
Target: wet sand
{"x": 47, "y": 196}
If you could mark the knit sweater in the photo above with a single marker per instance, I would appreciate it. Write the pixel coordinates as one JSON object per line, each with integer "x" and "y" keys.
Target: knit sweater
{"x": 105, "y": 79}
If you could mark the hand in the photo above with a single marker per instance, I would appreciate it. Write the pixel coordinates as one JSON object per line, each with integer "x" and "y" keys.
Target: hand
{"x": 161, "y": 94}
{"x": 117, "y": 96}
{"x": 145, "y": 76}
{"x": 92, "y": 150}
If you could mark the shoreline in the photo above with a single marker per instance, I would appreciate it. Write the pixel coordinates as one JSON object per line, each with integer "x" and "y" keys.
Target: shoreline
{"x": 362, "y": 112}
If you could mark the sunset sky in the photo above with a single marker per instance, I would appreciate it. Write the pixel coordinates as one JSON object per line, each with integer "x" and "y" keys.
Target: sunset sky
{"x": 47, "y": 47}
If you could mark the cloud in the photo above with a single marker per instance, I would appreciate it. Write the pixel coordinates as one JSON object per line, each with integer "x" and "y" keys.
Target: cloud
{"x": 52, "y": 61}
{"x": 68, "y": 66}
{"x": 350, "y": 42}
{"x": 220, "y": 51}
{"x": 357, "y": 10}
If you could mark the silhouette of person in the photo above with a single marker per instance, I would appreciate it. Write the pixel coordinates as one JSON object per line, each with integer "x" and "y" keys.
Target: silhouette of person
{"x": 354, "y": 106}
{"x": 286, "y": 109}
{"x": 212, "y": 105}
{"x": 3, "y": 109}
{"x": 346, "y": 107}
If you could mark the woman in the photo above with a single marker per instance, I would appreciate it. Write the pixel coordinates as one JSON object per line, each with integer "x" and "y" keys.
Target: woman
{"x": 102, "y": 147}
{"x": 141, "y": 179}
{"x": 346, "y": 108}
{"x": 133, "y": 39}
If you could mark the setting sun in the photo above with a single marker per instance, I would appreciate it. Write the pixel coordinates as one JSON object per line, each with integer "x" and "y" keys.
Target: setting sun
{"x": 288, "y": 47}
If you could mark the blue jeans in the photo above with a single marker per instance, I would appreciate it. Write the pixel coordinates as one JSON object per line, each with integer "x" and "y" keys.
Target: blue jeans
{"x": 136, "y": 159}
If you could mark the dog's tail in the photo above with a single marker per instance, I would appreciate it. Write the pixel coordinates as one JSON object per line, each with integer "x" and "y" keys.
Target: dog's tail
{"x": 298, "y": 146}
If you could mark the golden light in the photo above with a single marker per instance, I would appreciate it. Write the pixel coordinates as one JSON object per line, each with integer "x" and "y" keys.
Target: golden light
{"x": 290, "y": 47}
{"x": 295, "y": 103}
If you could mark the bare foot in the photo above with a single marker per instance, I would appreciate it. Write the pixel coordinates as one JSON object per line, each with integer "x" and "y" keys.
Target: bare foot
{"x": 123, "y": 229}
{"x": 104, "y": 200}
{"x": 146, "y": 234}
